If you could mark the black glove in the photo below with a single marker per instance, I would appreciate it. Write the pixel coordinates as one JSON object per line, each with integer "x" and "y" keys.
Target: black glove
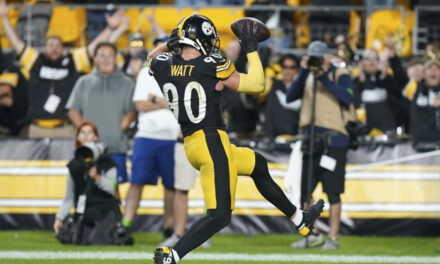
{"x": 249, "y": 39}
{"x": 173, "y": 41}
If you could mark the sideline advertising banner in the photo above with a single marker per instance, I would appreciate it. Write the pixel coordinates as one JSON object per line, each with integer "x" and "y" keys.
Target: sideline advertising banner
{"x": 389, "y": 190}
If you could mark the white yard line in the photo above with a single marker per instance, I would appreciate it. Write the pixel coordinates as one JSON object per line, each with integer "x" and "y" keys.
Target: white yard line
{"x": 123, "y": 255}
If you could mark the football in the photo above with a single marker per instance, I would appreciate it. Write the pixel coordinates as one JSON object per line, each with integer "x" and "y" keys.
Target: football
{"x": 238, "y": 25}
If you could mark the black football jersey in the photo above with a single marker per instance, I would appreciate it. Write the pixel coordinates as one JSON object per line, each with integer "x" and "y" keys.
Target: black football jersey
{"x": 189, "y": 88}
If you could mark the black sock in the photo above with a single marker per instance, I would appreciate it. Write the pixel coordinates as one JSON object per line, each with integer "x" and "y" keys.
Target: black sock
{"x": 167, "y": 232}
{"x": 268, "y": 188}
{"x": 202, "y": 230}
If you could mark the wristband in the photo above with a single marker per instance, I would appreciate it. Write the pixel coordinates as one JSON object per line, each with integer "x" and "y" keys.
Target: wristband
{"x": 153, "y": 100}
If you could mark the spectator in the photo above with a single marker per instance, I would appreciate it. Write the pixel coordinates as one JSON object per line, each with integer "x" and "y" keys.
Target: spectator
{"x": 136, "y": 44}
{"x": 425, "y": 108}
{"x": 333, "y": 110}
{"x": 415, "y": 74}
{"x": 98, "y": 188}
{"x": 104, "y": 96}
{"x": 240, "y": 108}
{"x": 415, "y": 70}
{"x": 51, "y": 78}
{"x": 398, "y": 103}
{"x": 135, "y": 64}
{"x": 374, "y": 89}
{"x": 136, "y": 48}
{"x": 13, "y": 98}
{"x": 281, "y": 117}
{"x": 153, "y": 150}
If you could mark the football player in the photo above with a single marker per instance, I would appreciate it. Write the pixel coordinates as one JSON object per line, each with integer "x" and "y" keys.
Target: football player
{"x": 191, "y": 80}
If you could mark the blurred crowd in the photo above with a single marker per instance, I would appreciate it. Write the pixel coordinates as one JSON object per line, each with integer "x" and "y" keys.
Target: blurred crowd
{"x": 394, "y": 98}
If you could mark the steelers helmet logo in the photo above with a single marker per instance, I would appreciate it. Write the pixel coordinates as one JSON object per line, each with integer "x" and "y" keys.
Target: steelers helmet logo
{"x": 207, "y": 28}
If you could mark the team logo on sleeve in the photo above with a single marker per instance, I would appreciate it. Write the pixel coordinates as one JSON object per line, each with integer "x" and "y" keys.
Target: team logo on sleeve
{"x": 207, "y": 28}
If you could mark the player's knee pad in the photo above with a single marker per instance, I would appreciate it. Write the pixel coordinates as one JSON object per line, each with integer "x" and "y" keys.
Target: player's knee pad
{"x": 220, "y": 217}
{"x": 334, "y": 198}
{"x": 260, "y": 168}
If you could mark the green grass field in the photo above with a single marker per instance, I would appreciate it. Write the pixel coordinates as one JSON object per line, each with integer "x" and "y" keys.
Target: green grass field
{"x": 230, "y": 248}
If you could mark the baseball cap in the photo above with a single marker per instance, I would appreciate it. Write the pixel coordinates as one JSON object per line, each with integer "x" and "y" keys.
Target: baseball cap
{"x": 317, "y": 49}
{"x": 162, "y": 39}
{"x": 136, "y": 40}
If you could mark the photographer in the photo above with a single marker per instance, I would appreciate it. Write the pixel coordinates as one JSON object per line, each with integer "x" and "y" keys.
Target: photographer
{"x": 333, "y": 110}
{"x": 91, "y": 189}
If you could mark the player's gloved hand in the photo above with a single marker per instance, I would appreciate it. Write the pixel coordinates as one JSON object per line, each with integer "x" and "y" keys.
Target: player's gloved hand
{"x": 249, "y": 39}
{"x": 173, "y": 41}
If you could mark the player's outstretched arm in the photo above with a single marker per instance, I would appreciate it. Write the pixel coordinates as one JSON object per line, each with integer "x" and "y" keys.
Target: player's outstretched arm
{"x": 253, "y": 81}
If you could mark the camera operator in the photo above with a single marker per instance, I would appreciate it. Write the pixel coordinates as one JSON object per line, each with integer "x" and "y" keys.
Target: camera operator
{"x": 91, "y": 187}
{"x": 333, "y": 110}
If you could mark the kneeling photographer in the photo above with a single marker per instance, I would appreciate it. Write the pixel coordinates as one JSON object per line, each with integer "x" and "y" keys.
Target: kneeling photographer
{"x": 326, "y": 109}
{"x": 91, "y": 189}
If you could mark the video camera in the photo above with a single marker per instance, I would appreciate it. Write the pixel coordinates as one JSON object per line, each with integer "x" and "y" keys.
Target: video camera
{"x": 90, "y": 153}
{"x": 314, "y": 63}
{"x": 355, "y": 129}
{"x": 316, "y": 52}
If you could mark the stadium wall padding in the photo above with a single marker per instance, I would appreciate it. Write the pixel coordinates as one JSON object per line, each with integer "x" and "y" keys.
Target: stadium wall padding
{"x": 399, "y": 198}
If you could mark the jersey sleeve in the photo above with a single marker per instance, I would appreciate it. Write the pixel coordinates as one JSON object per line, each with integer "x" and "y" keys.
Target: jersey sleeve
{"x": 28, "y": 57}
{"x": 81, "y": 60}
{"x": 410, "y": 89}
{"x": 224, "y": 68}
{"x": 154, "y": 63}
{"x": 9, "y": 78}
{"x": 151, "y": 62}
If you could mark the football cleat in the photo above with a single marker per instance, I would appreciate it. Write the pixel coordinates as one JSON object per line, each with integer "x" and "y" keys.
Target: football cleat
{"x": 164, "y": 255}
{"x": 311, "y": 241}
{"x": 331, "y": 244}
{"x": 309, "y": 217}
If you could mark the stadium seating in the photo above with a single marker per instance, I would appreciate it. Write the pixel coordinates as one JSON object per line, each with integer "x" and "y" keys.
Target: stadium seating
{"x": 69, "y": 24}
{"x": 381, "y": 23}
{"x": 168, "y": 17}
{"x": 223, "y": 18}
